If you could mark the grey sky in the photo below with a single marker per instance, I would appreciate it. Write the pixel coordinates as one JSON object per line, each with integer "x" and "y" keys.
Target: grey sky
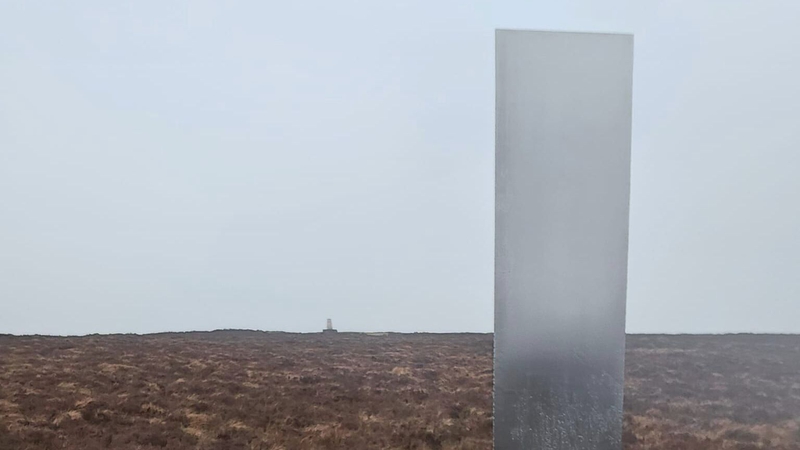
{"x": 177, "y": 166}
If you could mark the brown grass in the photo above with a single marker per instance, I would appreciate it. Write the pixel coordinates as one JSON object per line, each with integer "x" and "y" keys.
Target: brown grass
{"x": 253, "y": 390}
{"x": 731, "y": 392}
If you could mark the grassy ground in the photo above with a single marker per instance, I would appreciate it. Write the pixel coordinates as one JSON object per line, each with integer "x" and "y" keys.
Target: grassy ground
{"x": 252, "y": 390}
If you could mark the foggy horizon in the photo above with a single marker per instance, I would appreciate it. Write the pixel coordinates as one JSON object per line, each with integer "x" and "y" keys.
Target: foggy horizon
{"x": 345, "y": 332}
{"x": 193, "y": 166}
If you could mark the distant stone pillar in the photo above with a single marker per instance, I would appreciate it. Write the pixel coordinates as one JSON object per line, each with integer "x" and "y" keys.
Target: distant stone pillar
{"x": 330, "y": 325}
{"x": 563, "y": 141}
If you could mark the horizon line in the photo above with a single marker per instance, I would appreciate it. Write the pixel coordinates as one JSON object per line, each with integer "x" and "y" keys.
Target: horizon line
{"x": 251, "y": 330}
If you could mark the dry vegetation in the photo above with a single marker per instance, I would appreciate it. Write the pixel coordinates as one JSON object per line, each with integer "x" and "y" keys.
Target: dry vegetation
{"x": 253, "y": 390}
{"x": 704, "y": 392}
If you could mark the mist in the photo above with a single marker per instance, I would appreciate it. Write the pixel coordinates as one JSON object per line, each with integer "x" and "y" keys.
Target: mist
{"x": 194, "y": 165}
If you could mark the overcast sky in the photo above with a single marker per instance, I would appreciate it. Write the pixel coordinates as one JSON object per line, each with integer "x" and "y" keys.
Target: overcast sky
{"x": 267, "y": 165}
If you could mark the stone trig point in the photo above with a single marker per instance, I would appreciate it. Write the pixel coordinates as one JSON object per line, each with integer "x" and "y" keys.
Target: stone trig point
{"x": 329, "y": 327}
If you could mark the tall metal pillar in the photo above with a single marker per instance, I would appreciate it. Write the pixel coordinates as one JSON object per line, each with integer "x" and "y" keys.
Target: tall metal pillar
{"x": 563, "y": 139}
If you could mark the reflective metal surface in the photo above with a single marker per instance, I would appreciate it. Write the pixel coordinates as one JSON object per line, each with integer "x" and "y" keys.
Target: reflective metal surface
{"x": 563, "y": 135}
